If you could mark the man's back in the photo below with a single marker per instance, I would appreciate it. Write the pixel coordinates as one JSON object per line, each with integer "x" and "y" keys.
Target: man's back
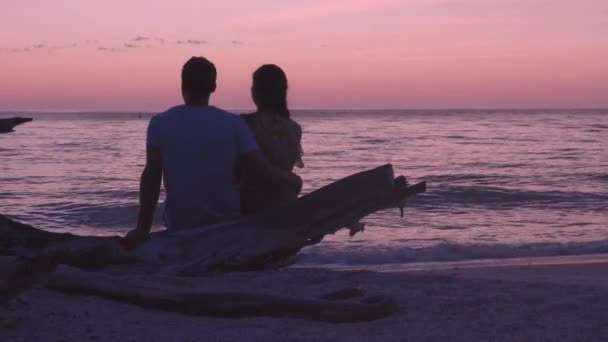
{"x": 199, "y": 147}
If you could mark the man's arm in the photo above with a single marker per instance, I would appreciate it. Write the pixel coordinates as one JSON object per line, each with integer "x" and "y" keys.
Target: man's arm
{"x": 149, "y": 191}
{"x": 254, "y": 164}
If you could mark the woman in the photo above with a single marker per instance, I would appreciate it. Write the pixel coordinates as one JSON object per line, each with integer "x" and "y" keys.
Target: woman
{"x": 277, "y": 135}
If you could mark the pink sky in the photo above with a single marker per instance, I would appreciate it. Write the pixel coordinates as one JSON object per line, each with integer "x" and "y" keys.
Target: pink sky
{"x": 112, "y": 55}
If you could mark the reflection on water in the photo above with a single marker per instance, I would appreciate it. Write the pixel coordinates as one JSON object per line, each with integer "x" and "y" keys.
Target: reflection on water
{"x": 500, "y": 183}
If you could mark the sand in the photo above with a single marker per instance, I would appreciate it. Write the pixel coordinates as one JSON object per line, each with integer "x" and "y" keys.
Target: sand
{"x": 533, "y": 299}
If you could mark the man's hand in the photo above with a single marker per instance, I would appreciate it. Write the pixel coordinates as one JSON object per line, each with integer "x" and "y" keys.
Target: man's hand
{"x": 297, "y": 183}
{"x": 134, "y": 237}
{"x": 253, "y": 163}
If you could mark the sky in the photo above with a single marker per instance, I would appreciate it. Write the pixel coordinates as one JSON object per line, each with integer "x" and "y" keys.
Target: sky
{"x": 127, "y": 54}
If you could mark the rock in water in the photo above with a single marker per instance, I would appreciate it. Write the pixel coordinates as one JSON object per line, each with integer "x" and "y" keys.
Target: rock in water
{"x": 7, "y": 125}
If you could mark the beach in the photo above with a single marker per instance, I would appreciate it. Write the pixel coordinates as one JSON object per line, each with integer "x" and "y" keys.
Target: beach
{"x": 329, "y": 170}
{"x": 506, "y": 244}
{"x": 552, "y": 298}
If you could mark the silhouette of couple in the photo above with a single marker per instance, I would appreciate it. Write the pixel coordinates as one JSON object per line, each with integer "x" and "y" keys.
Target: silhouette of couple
{"x": 215, "y": 165}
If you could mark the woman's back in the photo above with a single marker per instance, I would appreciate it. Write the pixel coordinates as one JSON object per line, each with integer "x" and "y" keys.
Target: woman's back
{"x": 279, "y": 140}
{"x": 278, "y": 137}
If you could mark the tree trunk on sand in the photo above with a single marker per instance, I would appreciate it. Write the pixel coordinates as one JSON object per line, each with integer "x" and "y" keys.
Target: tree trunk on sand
{"x": 220, "y": 304}
{"x": 90, "y": 252}
{"x": 18, "y": 275}
{"x": 250, "y": 243}
{"x": 267, "y": 239}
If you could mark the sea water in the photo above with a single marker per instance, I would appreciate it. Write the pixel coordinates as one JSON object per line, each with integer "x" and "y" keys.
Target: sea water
{"x": 501, "y": 183}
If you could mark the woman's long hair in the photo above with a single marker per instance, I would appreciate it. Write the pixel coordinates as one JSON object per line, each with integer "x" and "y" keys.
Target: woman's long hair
{"x": 269, "y": 89}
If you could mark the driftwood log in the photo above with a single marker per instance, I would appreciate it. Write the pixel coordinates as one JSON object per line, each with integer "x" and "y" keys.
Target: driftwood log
{"x": 19, "y": 274}
{"x": 346, "y": 305}
{"x": 7, "y": 125}
{"x": 217, "y": 303}
{"x": 257, "y": 242}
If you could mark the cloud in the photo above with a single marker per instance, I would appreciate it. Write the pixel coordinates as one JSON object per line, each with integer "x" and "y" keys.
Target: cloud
{"x": 105, "y": 49}
{"x": 148, "y": 41}
{"x": 30, "y": 48}
{"x": 192, "y": 42}
{"x": 16, "y": 50}
{"x": 136, "y": 42}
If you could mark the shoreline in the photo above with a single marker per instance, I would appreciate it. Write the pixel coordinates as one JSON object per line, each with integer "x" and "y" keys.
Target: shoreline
{"x": 562, "y": 298}
{"x": 421, "y": 266}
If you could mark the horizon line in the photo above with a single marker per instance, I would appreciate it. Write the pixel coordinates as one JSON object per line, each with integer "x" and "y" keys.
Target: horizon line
{"x": 125, "y": 111}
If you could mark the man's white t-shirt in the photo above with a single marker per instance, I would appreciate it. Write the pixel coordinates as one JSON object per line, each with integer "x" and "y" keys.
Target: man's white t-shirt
{"x": 199, "y": 147}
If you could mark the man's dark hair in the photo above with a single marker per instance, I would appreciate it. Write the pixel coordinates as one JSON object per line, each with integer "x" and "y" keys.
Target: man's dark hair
{"x": 198, "y": 77}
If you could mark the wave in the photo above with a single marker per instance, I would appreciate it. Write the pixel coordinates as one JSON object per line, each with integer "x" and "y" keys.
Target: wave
{"x": 493, "y": 197}
{"x": 600, "y": 177}
{"x": 82, "y": 218}
{"x": 506, "y": 178}
{"x": 468, "y": 177}
{"x": 324, "y": 254}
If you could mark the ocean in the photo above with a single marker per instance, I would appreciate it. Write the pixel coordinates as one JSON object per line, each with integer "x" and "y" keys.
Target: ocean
{"x": 501, "y": 183}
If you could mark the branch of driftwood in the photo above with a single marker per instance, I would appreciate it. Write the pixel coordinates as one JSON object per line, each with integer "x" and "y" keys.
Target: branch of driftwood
{"x": 216, "y": 303}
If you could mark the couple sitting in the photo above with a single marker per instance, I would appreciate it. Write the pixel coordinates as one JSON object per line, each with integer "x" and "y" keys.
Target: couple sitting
{"x": 217, "y": 166}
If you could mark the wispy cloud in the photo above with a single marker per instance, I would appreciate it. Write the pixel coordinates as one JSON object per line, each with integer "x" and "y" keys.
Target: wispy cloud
{"x": 141, "y": 39}
{"x": 148, "y": 39}
{"x": 135, "y": 42}
{"x": 33, "y": 47}
{"x": 192, "y": 42}
{"x": 105, "y": 49}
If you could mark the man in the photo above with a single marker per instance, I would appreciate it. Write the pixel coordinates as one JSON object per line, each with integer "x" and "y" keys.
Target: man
{"x": 196, "y": 148}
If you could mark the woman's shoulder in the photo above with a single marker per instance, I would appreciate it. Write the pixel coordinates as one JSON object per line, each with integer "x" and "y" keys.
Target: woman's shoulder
{"x": 248, "y": 117}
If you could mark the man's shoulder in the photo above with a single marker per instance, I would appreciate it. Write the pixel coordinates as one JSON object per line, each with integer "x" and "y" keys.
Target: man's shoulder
{"x": 222, "y": 113}
{"x": 208, "y": 113}
{"x": 227, "y": 117}
{"x": 164, "y": 116}
{"x": 169, "y": 111}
